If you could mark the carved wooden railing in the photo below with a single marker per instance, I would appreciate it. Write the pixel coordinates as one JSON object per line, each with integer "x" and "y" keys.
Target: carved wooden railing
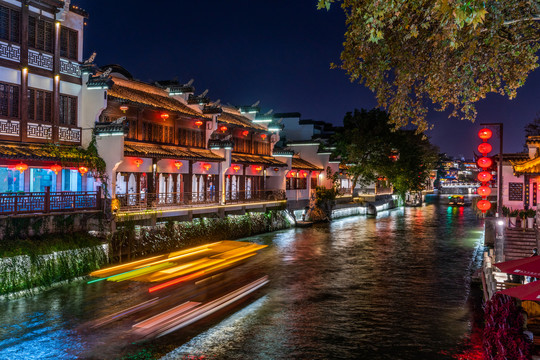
{"x": 48, "y": 202}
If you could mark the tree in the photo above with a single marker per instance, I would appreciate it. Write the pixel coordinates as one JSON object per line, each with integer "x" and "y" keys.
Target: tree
{"x": 449, "y": 53}
{"x": 363, "y": 144}
{"x": 533, "y": 128}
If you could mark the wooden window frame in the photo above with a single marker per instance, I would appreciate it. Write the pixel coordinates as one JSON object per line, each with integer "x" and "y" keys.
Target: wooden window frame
{"x": 48, "y": 39}
{"x": 68, "y": 49}
{"x": 73, "y": 119}
{"x": 12, "y": 36}
{"x": 32, "y": 113}
{"x": 13, "y": 101}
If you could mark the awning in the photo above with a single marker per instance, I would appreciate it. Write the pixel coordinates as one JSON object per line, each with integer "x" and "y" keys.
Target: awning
{"x": 529, "y": 266}
{"x": 41, "y": 152}
{"x": 169, "y": 152}
{"x": 301, "y": 164}
{"x": 530, "y": 291}
{"x": 255, "y": 160}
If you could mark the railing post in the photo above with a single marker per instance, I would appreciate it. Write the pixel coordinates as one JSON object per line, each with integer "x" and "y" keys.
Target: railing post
{"x": 15, "y": 203}
{"x": 47, "y": 208}
{"x": 98, "y": 198}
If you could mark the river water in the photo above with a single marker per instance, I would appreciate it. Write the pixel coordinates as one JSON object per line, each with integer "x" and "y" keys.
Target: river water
{"x": 392, "y": 287}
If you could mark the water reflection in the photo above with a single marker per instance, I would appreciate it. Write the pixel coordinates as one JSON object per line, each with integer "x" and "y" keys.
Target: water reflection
{"x": 392, "y": 286}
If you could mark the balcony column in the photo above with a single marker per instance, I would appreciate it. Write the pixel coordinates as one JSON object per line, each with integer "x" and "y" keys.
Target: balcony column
{"x": 56, "y": 84}
{"x": 24, "y": 73}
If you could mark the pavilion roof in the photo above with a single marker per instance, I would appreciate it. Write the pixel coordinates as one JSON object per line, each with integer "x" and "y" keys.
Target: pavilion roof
{"x": 301, "y": 164}
{"x": 169, "y": 152}
{"x": 150, "y": 95}
{"x": 255, "y": 159}
{"x": 231, "y": 115}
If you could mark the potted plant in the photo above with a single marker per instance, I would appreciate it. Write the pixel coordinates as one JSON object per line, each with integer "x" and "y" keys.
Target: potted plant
{"x": 523, "y": 217}
{"x": 531, "y": 213}
{"x": 506, "y": 214}
{"x": 513, "y": 217}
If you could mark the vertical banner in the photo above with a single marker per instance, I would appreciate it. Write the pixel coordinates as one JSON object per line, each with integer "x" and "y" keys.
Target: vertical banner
{"x": 535, "y": 194}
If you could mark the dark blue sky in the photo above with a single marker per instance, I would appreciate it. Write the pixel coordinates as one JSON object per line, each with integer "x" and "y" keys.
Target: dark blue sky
{"x": 276, "y": 51}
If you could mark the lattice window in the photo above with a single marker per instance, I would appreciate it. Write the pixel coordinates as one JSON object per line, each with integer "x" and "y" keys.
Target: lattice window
{"x": 40, "y": 34}
{"x": 9, "y": 100}
{"x": 39, "y": 105}
{"x": 515, "y": 191}
{"x": 10, "y": 24}
{"x": 68, "y": 110}
{"x": 69, "y": 40}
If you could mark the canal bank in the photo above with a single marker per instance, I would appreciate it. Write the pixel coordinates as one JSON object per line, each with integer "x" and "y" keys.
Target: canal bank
{"x": 358, "y": 287}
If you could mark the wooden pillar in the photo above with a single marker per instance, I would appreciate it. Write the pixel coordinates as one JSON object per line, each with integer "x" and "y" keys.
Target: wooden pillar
{"x": 56, "y": 83}
{"x": 23, "y": 113}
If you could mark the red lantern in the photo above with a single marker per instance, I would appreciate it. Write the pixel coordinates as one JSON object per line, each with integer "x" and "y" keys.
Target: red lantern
{"x": 56, "y": 168}
{"x": 198, "y": 123}
{"x": 304, "y": 174}
{"x": 484, "y": 148}
{"x": 484, "y": 176}
{"x": 276, "y": 169}
{"x": 138, "y": 162}
{"x": 484, "y": 162}
{"x": 178, "y": 164}
{"x": 485, "y": 134}
{"x": 483, "y": 205}
{"x": 236, "y": 168}
{"x": 21, "y": 167}
{"x": 258, "y": 168}
{"x": 484, "y": 191}
{"x": 245, "y": 133}
{"x": 164, "y": 116}
{"x": 83, "y": 169}
{"x": 207, "y": 166}
{"x": 223, "y": 128}
{"x": 124, "y": 108}
{"x": 263, "y": 136}
{"x": 292, "y": 173}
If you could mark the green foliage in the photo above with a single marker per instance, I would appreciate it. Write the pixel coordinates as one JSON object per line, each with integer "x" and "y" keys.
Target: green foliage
{"x": 448, "y": 53}
{"x": 505, "y": 211}
{"x": 531, "y": 213}
{"x": 179, "y": 235}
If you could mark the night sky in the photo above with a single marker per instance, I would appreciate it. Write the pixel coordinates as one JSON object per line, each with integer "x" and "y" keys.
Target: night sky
{"x": 275, "y": 51}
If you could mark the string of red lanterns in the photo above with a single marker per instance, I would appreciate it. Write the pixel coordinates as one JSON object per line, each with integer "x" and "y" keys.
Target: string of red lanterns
{"x": 484, "y": 176}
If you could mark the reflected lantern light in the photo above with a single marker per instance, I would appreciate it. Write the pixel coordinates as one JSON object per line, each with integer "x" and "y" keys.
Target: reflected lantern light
{"x": 484, "y": 176}
{"x": 485, "y": 134}
{"x": 484, "y": 162}
{"x": 484, "y": 148}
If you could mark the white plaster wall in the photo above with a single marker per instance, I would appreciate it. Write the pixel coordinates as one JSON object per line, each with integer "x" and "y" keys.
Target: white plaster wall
{"x": 508, "y": 177}
{"x": 10, "y": 76}
{"x": 198, "y": 168}
{"x": 167, "y": 166}
{"x": 40, "y": 82}
{"x": 91, "y": 103}
{"x": 111, "y": 149}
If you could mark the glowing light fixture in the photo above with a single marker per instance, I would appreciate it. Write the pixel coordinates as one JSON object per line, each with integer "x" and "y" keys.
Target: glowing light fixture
{"x": 198, "y": 123}
{"x": 124, "y": 108}
{"x": 164, "y": 116}
{"x": 138, "y": 162}
{"x": 236, "y": 168}
{"x": 483, "y": 205}
{"x": 484, "y": 162}
{"x": 83, "y": 169}
{"x": 484, "y": 176}
{"x": 56, "y": 168}
{"x": 178, "y": 164}
{"x": 485, "y": 134}
{"x": 276, "y": 169}
{"x": 21, "y": 167}
{"x": 245, "y": 133}
{"x": 484, "y": 148}
{"x": 484, "y": 191}
{"x": 223, "y": 128}
{"x": 263, "y": 136}
{"x": 207, "y": 166}
{"x": 258, "y": 168}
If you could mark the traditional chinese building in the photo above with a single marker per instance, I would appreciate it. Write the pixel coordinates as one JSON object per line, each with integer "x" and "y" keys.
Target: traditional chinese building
{"x": 41, "y": 121}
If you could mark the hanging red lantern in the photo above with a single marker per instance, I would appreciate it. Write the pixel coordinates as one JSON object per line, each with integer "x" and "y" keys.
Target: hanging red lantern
{"x": 21, "y": 167}
{"x": 484, "y": 162}
{"x": 484, "y": 176}
{"x": 124, "y": 108}
{"x": 198, "y": 123}
{"x": 223, "y": 128}
{"x": 483, "y": 205}
{"x": 56, "y": 168}
{"x": 484, "y": 148}
{"x": 291, "y": 173}
{"x": 263, "y": 136}
{"x": 276, "y": 169}
{"x": 304, "y": 174}
{"x": 236, "y": 168}
{"x": 207, "y": 166}
{"x": 484, "y": 191}
{"x": 245, "y": 133}
{"x": 83, "y": 169}
{"x": 485, "y": 134}
{"x": 164, "y": 116}
{"x": 178, "y": 164}
{"x": 138, "y": 162}
{"x": 258, "y": 168}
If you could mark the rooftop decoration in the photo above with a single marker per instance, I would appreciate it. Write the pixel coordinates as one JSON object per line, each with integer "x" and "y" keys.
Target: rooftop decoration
{"x": 56, "y": 168}
{"x": 21, "y": 167}
{"x": 178, "y": 164}
{"x": 83, "y": 169}
{"x": 138, "y": 161}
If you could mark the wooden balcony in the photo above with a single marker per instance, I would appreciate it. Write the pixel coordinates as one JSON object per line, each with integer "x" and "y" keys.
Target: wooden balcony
{"x": 48, "y": 202}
